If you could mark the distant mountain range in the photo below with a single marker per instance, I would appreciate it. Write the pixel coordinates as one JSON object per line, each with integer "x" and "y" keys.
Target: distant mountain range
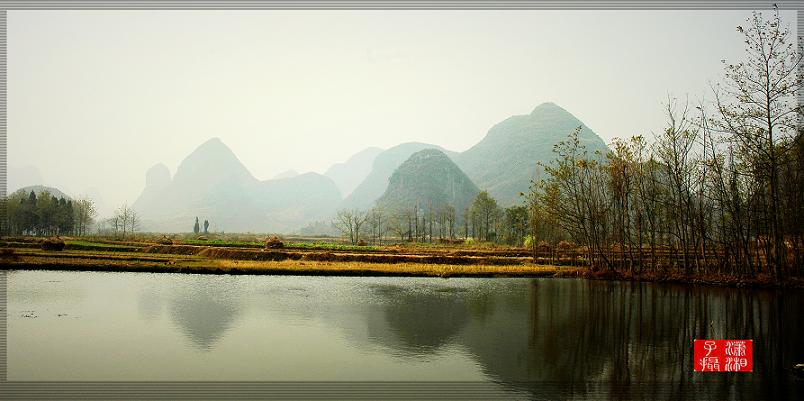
{"x": 348, "y": 175}
{"x": 286, "y": 174}
{"x": 385, "y": 163}
{"x": 213, "y": 184}
{"x": 430, "y": 179}
{"x": 504, "y": 162}
{"x": 38, "y": 189}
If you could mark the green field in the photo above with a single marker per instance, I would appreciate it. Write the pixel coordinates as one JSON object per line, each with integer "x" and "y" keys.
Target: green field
{"x": 325, "y": 246}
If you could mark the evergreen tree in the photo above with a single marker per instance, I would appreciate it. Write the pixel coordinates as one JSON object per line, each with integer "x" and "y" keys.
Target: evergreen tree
{"x": 61, "y": 219}
{"x": 69, "y": 223}
{"x": 206, "y": 226}
{"x": 196, "y": 228}
{"x": 30, "y": 219}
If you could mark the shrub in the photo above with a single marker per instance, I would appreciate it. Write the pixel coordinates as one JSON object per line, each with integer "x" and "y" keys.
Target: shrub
{"x": 566, "y": 245}
{"x": 273, "y": 242}
{"x": 53, "y": 244}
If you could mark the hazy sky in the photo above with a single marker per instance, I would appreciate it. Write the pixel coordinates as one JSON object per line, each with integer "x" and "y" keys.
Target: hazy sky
{"x": 97, "y": 97}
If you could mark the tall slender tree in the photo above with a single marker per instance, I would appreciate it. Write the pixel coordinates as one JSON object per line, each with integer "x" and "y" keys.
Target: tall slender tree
{"x": 759, "y": 113}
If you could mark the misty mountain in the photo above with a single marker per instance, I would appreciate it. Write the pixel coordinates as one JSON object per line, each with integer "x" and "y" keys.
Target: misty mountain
{"x": 430, "y": 178}
{"x": 157, "y": 180}
{"x": 504, "y": 162}
{"x": 213, "y": 184}
{"x": 376, "y": 182}
{"x": 210, "y": 174}
{"x": 349, "y": 174}
{"x": 38, "y": 189}
{"x": 286, "y": 174}
{"x": 291, "y": 202}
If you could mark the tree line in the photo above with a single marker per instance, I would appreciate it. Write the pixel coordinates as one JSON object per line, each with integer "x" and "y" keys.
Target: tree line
{"x": 483, "y": 220}
{"x": 718, "y": 191}
{"x": 45, "y": 214}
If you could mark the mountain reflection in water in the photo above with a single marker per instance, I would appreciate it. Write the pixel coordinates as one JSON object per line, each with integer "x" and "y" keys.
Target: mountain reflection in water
{"x": 586, "y": 339}
{"x": 204, "y": 312}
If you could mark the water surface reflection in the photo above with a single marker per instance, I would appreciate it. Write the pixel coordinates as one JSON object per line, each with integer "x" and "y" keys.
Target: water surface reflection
{"x": 590, "y": 339}
{"x": 204, "y": 311}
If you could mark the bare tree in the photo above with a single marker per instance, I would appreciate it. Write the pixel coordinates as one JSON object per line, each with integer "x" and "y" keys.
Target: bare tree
{"x": 134, "y": 221}
{"x": 84, "y": 213}
{"x": 759, "y": 112}
{"x": 349, "y": 222}
{"x": 675, "y": 150}
{"x": 377, "y": 224}
{"x": 398, "y": 223}
{"x": 125, "y": 220}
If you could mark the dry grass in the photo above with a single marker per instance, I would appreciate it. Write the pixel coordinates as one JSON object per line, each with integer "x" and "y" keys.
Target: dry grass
{"x": 362, "y": 268}
{"x": 213, "y": 261}
{"x": 148, "y": 262}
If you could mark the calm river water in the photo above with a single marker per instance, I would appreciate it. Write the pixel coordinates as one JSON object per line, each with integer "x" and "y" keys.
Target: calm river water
{"x": 523, "y": 335}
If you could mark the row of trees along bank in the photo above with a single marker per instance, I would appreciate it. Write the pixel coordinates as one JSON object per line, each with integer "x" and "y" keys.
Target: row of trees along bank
{"x": 26, "y": 213}
{"x": 29, "y": 214}
{"x": 719, "y": 191}
{"x": 483, "y": 220}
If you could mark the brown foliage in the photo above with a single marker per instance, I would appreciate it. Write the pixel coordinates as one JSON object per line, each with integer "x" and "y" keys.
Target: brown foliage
{"x": 164, "y": 241}
{"x": 175, "y": 249}
{"x": 8, "y": 254}
{"x": 273, "y": 242}
{"x": 53, "y": 244}
{"x": 566, "y": 245}
{"x": 320, "y": 256}
{"x": 244, "y": 254}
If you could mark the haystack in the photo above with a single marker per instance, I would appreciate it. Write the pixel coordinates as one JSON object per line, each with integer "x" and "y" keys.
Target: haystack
{"x": 273, "y": 242}
{"x": 53, "y": 244}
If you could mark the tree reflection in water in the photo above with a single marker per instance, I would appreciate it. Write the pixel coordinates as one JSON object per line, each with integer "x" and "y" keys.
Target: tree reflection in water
{"x": 592, "y": 339}
{"x": 583, "y": 339}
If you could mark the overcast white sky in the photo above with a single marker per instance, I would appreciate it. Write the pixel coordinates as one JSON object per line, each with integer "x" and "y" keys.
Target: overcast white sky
{"x": 97, "y": 97}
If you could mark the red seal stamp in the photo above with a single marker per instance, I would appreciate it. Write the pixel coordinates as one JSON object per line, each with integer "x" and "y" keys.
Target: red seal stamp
{"x": 723, "y": 355}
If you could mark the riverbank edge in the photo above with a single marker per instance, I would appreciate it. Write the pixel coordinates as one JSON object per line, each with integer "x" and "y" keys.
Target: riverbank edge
{"x": 381, "y": 270}
{"x": 762, "y": 281}
{"x": 278, "y": 271}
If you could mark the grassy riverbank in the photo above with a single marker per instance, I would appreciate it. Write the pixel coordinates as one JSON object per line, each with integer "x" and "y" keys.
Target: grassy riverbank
{"x": 177, "y": 263}
{"x": 323, "y": 259}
